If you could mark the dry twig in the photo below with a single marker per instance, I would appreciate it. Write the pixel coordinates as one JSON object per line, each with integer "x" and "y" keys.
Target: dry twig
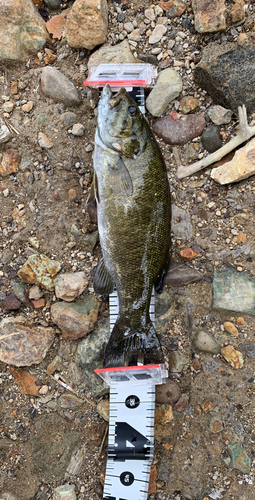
{"x": 103, "y": 441}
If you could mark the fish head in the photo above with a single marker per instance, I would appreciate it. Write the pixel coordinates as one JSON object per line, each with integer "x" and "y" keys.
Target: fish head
{"x": 121, "y": 126}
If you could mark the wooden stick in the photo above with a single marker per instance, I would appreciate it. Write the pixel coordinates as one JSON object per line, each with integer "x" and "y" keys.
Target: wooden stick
{"x": 103, "y": 441}
{"x": 244, "y": 134}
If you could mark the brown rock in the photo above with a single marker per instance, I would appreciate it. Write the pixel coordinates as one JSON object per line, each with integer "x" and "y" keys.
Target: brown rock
{"x": 50, "y": 58}
{"x": 188, "y": 104}
{"x": 40, "y": 270}
{"x": 56, "y": 364}
{"x": 114, "y": 54}
{"x": 182, "y": 404}
{"x": 23, "y": 344}
{"x": 26, "y": 382}
{"x": 240, "y": 238}
{"x": 177, "y": 129}
{"x": 209, "y": 16}
{"x": 103, "y": 408}
{"x": 22, "y": 30}
{"x": 216, "y": 425}
{"x": 11, "y": 303}
{"x": 219, "y": 115}
{"x": 87, "y": 24}
{"x": 239, "y": 168}
{"x": 237, "y": 13}
{"x": 180, "y": 274}
{"x": 241, "y": 321}
{"x": 168, "y": 393}
{"x": 232, "y": 356}
{"x": 35, "y": 293}
{"x": 28, "y": 106}
{"x": 38, "y": 303}
{"x": 230, "y": 327}
{"x": 163, "y": 416}
{"x": 208, "y": 406}
{"x": 77, "y": 319}
{"x": 56, "y": 25}
{"x": 196, "y": 363}
{"x": 56, "y": 195}
{"x": 3, "y": 186}
{"x": 68, "y": 286}
{"x": 175, "y": 8}
{"x": 38, "y": 3}
{"x": 189, "y": 254}
{"x": 153, "y": 480}
{"x": 72, "y": 194}
{"x": 9, "y": 163}
{"x": 14, "y": 88}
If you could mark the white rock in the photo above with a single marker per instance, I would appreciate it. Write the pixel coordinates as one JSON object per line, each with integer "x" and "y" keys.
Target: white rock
{"x": 78, "y": 129}
{"x": 157, "y": 33}
{"x": 43, "y": 141}
{"x": 149, "y": 13}
{"x": 168, "y": 86}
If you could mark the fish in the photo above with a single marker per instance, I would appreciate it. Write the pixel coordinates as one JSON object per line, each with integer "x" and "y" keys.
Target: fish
{"x": 132, "y": 193}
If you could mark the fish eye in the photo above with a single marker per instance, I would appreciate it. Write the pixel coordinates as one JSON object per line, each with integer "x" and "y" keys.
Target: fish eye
{"x": 131, "y": 110}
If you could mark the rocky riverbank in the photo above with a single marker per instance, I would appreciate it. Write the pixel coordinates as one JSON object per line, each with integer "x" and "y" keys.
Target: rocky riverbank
{"x": 53, "y": 329}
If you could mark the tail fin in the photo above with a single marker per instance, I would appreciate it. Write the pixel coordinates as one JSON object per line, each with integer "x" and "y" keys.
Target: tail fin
{"x": 127, "y": 348}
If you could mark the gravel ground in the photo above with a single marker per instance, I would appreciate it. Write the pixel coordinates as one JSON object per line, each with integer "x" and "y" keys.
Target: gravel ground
{"x": 38, "y": 435}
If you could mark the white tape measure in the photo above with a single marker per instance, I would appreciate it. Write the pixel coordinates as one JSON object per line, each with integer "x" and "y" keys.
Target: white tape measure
{"x": 131, "y": 429}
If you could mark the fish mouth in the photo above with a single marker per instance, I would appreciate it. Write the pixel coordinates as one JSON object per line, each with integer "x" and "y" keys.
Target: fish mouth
{"x": 112, "y": 100}
{"x": 116, "y": 100}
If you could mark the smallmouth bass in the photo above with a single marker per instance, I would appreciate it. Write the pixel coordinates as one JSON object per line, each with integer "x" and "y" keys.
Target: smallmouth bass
{"x": 134, "y": 213}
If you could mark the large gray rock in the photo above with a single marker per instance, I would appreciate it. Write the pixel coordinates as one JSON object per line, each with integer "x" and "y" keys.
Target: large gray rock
{"x": 227, "y": 73}
{"x": 90, "y": 355}
{"x": 233, "y": 291}
{"x": 180, "y": 274}
{"x": 22, "y": 343}
{"x": 56, "y": 86}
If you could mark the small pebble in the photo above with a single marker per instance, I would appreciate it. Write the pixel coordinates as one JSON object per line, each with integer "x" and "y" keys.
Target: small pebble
{"x": 240, "y": 321}
{"x": 78, "y": 129}
{"x": 232, "y": 356}
{"x": 72, "y": 194}
{"x": 230, "y": 327}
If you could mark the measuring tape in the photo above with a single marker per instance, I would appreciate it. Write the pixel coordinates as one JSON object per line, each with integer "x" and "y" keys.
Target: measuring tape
{"x": 131, "y": 422}
{"x": 132, "y": 388}
{"x": 131, "y": 429}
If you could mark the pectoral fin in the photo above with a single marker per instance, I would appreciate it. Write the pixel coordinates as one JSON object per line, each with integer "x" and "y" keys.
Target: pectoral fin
{"x": 102, "y": 282}
{"x": 93, "y": 194}
{"x": 121, "y": 181}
